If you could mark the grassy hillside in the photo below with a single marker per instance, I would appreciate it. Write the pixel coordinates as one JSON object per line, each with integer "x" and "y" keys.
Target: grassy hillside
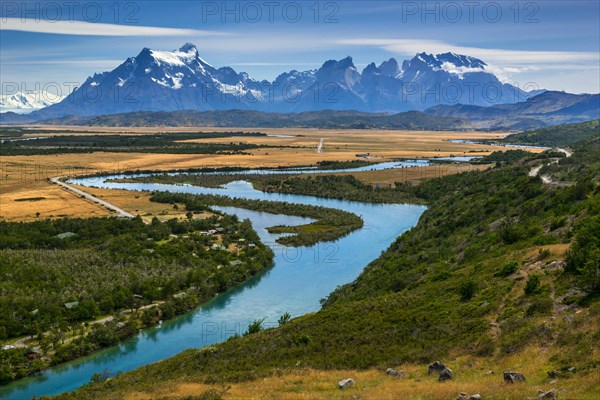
{"x": 485, "y": 280}
{"x": 544, "y": 109}
{"x": 586, "y": 165}
{"x": 556, "y": 136}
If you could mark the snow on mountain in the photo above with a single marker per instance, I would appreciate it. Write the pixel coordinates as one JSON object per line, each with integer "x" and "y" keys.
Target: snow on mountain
{"x": 451, "y": 78}
{"x": 22, "y": 102}
{"x": 181, "y": 80}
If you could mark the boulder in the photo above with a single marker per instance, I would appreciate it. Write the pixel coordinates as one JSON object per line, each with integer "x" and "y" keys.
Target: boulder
{"x": 513, "y": 377}
{"x": 346, "y": 383}
{"x": 435, "y": 366}
{"x": 561, "y": 372}
{"x": 445, "y": 375}
{"x": 465, "y": 396}
{"x": 550, "y": 394}
{"x": 394, "y": 373}
{"x": 560, "y": 264}
{"x": 554, "y": 374}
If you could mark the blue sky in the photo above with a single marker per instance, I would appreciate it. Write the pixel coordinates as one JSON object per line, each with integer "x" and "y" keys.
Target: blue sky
{"x": 552, "y": 44}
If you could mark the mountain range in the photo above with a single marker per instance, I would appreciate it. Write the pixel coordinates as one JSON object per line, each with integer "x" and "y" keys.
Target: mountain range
{"x": 181, "y": 80}
{"x": 23, "y": 102}
{"x": 548, "y": 108}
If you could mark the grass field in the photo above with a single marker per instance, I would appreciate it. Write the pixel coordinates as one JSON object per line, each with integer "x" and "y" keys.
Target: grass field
{"x": 472, "y": 376}
{"x": 25, "y": 177}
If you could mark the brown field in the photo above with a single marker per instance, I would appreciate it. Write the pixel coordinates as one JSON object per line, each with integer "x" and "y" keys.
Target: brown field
{"x": 20, "y": 201}
{"x": 25, "y": 177}
{"x": 138, "y": 203}
{"x": 338, "y": 143}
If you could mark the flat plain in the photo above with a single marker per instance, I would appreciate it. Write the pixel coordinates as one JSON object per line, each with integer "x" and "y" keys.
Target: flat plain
{"x": 26, "y": 193}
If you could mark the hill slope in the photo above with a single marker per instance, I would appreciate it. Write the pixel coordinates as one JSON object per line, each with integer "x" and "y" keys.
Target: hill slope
{"x": 562, "y": 135}
{"x": 548, "y": 108}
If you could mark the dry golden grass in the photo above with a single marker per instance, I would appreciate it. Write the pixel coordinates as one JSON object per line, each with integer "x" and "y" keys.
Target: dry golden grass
{"x": 555, "y": 250}
{"x": 26, "y": 176}
{"x": 380, "y": 143}
{"x": 138, "y": 203}
{"x": 374, "y": 384}
{"x": 49, "y": 200}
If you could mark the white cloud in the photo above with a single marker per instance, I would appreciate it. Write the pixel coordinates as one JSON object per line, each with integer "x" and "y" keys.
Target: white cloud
{"x": 460, "y": 71}
{"x": 97, "y": 29}
{"x": 494, "y": 56}
{"x": 547, "y": 68}
{"x": 92, "y": 62}
{"x": 272, "y": 64}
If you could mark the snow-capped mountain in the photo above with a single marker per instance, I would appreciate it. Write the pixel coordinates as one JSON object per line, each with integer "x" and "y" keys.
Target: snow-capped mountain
{"x": 182, "y": 80}
{"x": 22, "y": 102}
{"x": 451, "y": 78}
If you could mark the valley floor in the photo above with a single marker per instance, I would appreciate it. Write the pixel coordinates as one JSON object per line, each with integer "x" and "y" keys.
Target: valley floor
{"x": 26, "y": 191}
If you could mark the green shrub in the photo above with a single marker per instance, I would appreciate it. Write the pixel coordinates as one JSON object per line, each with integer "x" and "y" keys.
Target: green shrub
{"x": 540, "y": 307}
{"x": 583, "y": 259}
{"x": 557, "y": 223}
{"x": 255, "y": 327}
{"x": 532, "y": 285}
{"x": 486, "y": 347}
{"x": 543, "y": 254}
{"x": 467, "y": 290}
{"x": 507, "y": 269}
{"x": 301, "y": 340}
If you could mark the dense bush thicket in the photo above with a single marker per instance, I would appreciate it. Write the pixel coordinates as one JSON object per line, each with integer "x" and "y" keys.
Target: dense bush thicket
{"x": 556, "y": 136}
{"x": 110, "y": 264}
{"x": 502, "y": 157}
{"x": 586, "y": 166}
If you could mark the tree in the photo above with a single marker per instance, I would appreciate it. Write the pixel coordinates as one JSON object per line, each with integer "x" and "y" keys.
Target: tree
{"x": 532, "y": 285}
{"x": 284, "y": 319}
{"x": 467, "y": 289}
{"x": 590, "y": 272}
{"x": 56, "y": 335}
{"x": 583, "y": 258}
{"x": 255, "y": 327}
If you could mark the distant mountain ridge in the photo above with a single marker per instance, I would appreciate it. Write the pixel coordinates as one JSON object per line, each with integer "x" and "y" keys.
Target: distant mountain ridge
{"x": 181, "y": 80}
{"x": 548, "y": 108}
{"x": 22, "y": 102}
{"x": 413, "y": 120}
